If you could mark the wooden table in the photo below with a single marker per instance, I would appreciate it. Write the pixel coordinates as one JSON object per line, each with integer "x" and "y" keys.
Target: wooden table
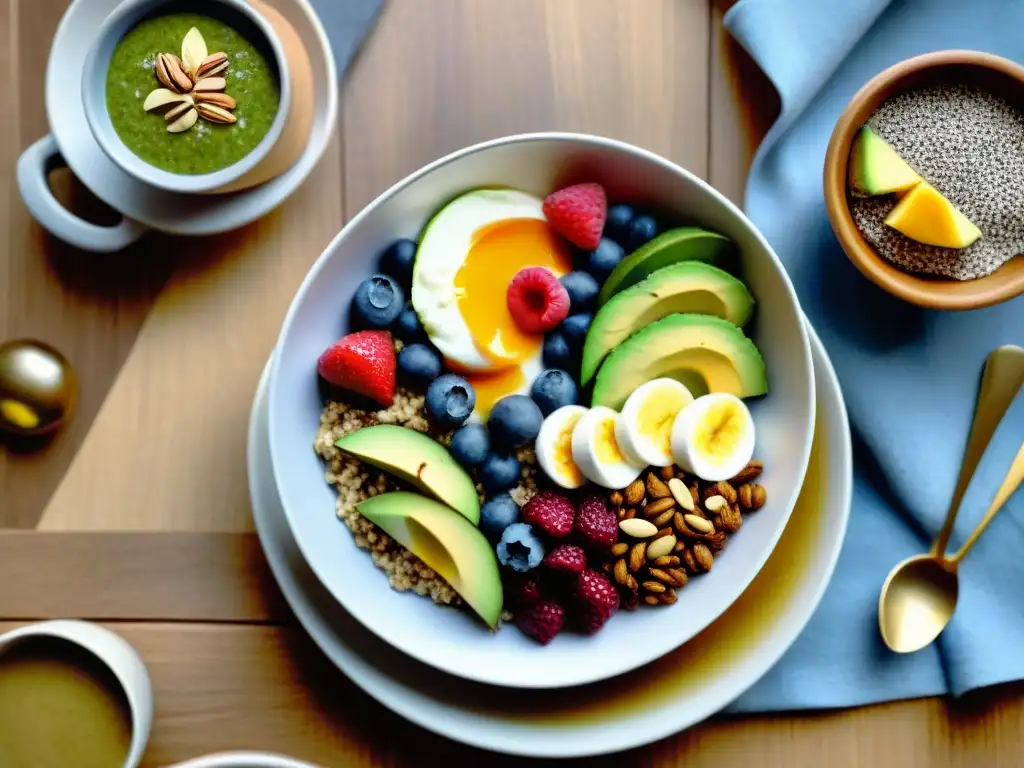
{"x": 138, "y": 514}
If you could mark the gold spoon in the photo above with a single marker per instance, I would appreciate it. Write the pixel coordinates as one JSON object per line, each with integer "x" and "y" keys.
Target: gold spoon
{"x": 919, "y": 596}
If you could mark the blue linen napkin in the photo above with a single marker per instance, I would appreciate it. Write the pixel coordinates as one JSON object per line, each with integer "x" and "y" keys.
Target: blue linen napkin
{"x": 346, "y": 22}
{"x": 909, "y": 376}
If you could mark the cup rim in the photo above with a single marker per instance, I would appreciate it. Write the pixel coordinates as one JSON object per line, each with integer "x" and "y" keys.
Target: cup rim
{"x": 120, "y": 657}
{"x": 102, "y": 127}
{"x": 927, "y": 291}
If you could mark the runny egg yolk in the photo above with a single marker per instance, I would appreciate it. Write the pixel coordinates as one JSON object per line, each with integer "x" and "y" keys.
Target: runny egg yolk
{"x": 721, "y": 428}
{"x": 563, "y": 452}
{"x": 498, "y": 251}
{"x": 656, "y": 415}
{"x": 605, "y": 445}
{"x": 491, "y": 387}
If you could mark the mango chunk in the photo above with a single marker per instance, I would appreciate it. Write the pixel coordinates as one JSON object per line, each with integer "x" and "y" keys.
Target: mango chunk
{"x": 876, "y": 168}
{"x": 926, "y": 216}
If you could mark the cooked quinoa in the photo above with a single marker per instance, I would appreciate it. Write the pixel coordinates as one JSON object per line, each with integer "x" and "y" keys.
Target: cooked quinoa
{"x": 354, "y": 480}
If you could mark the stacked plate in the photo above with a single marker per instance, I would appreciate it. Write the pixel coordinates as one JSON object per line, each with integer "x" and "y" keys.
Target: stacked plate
{"x": 581, "y": 695}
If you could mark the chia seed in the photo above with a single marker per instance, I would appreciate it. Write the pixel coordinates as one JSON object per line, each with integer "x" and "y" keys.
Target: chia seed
{"x": 969, "y": 144}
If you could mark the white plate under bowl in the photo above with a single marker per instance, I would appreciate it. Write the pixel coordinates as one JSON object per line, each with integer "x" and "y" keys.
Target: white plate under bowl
{"x": 683, "y": 687}
{"x": 455, "y": 641}
{"x": 159, "y": 209}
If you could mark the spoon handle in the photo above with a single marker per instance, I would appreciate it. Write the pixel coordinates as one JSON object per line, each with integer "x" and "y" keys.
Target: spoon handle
{"x": 1000, "y": 382}
{"x": 1010, "y": 484}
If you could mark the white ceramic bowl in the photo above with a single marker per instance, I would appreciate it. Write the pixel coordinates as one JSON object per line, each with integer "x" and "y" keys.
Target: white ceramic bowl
{"x": 455, "y": 641}
{"x": 243, "y": 760}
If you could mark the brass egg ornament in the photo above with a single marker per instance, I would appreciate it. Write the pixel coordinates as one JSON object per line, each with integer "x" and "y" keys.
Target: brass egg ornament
{"x": 38, "y": 388}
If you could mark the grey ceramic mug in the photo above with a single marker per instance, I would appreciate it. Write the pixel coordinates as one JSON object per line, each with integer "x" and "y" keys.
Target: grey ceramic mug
{"x": 236, "y": 13}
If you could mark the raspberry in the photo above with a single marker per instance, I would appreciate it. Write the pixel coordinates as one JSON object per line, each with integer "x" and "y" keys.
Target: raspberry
{"x": 597, "y": 598}
{"x": 596, "y": 524}
{"x": 523, "y": 588}
{"x": 549, "y": 512}
{"x": 536, "y": 300}
{"x": 541, "y": 621}
{"x": 566, "y": 557}
{"x": 577, "y": 213}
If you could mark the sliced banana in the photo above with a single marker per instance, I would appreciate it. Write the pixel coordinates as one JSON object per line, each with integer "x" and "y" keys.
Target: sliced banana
{"x": 713, "y": 437}
{"x": 597, "y": 453}
{"x": 554, "y": 446}
{"x": 644, "y": 427}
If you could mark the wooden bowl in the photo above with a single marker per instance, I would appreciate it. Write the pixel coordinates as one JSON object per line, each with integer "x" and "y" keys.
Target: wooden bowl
{"x": 982, "y": 69}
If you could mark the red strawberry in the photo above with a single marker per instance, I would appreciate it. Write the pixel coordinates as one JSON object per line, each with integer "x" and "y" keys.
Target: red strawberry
{"x": 596, "y": 524}
{"x": 536, "y": 300}
{"x": 577, "y": 213}
{"x": 597, "y": 598}
{"x": 549, "y": 512}
{"x": 566, "y": 557}
{"x": 362, "y": 362}
{"x": 524, "y": 588}
{"x": 541, "y": 621}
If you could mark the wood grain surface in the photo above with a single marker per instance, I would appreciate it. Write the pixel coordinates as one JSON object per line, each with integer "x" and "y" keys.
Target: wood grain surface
{"x": 142, "y": 504}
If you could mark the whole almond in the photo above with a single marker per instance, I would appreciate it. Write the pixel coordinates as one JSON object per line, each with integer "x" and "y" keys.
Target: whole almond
{"x": 679, "y": 523}
{"x": 667, "y": 473}
{"x": 660, "y": 547}
{"x": 663, "y": 532}
{"x": 716, "y": 541}
{"x": 637, "y": 528}
{"x": 214, "y": 64}
{"x": 656, "y": 489}
{"x": 666, "y": 561}
{"x": 651, "y": 599}
{"x": 620, "y": 549}
{"x": 637, "y": 556}
{"x": 664, "y": 518}
{"x": 621, "y": 571}
{"x": 677, "y": 576}
{"x": 171, "y": 73}
{"x": 690, "y": 561}
{"x": 634, "y": 492}
{"x": 221, "y": 100}
{"x": 632, "y": 583}
{"x": 681, "y": 494}
{"x": 758, "y": 497}
{"x": 658, "y": 506}
{"x": 726, "y": 491}
{"x": 626, "y": 513}
{"x": 702, "y": 556}
{"x": 731, "y": 518}
{"x": 699, "y": 524}
{"x": 668, "y": 597}
{"x": 660, "y": 575}
{"x": 654, "y": 587}
{"x": 216, "y": 115}
{"x": 748, "y": 473}
{"x": 714, "y": 503}
{"x": 679, "y": 547}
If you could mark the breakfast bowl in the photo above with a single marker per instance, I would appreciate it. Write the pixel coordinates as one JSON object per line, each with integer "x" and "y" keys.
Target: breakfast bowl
{"x": 992, "y": 73}
{"x": 517, "y": 172}
{"x": 187, "y": 96}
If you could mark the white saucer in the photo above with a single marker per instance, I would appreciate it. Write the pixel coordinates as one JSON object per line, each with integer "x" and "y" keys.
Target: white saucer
{"x": 155, "y": 208}
{"x": 683, "y": 687}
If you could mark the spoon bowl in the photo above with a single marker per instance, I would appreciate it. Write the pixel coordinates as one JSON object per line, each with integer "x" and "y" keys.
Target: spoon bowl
{"x": 917, "y": 602}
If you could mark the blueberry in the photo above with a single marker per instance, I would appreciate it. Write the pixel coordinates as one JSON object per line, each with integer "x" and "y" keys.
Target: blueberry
{"x": 603, "y": 259}
{"x": 575, "y": 328}
{"x": 497, "y": 515}
{"x": 419, "y": 364}
{"x": 377, "y": 302}
{"x": 519, "y": 548}
{"x": 552, "y": 389}
{"x": 557, "y": 352}
{"x": 407, "y": 326}
{"x": 616, "y": 225}
{"x": 471, "y": 444}
{"x": 499, "y": 472}
{"x": 642, "y": 230}
{"x": 582, "y": 290}
{"x": 450, "y": 400}
{"x": 397, "y": 261}
{"x": 514, "y": 421}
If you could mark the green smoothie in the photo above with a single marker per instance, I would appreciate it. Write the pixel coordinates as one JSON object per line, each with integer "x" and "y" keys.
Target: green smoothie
{"x": 251, "y": 81}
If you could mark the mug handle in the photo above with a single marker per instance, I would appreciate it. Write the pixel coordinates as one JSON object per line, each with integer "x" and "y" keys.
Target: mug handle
{"x": 34, "y": 166}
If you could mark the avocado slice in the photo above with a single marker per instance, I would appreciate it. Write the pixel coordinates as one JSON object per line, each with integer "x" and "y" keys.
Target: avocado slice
{"x": 876, "y": 168}
{"x": 707, "y": 354}
{"x": 687, "y": 287}
{"x": 682, "y": 244}
{"x": 418, "y": 460}
{"x": 446, "y": 542}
